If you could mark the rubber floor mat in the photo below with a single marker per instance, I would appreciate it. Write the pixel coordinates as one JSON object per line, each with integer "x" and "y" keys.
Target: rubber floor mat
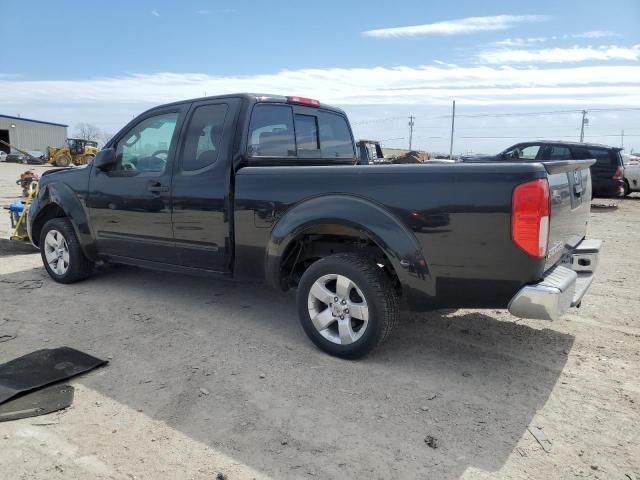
{"x": 43, "y": 367}
{"x": 40, "y": 402}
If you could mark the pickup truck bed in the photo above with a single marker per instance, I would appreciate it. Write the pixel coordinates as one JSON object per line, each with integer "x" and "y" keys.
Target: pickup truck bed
{"x": 356, "y": 241}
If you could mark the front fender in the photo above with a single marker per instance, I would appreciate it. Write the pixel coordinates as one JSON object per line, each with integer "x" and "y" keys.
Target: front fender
{"x": 378, "y": 224}
{"x": 62, "y": 196}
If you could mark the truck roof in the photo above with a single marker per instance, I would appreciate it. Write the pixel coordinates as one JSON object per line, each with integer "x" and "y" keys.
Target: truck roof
{"x": 573, "y": 144}
{"x": 254, "y": 97}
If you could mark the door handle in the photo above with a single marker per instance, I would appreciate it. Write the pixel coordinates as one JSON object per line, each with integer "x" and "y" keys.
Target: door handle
{"x": 157, "y": 187}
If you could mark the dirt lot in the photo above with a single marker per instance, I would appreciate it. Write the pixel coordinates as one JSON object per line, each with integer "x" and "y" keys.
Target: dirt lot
{"x": 208, "y": 377}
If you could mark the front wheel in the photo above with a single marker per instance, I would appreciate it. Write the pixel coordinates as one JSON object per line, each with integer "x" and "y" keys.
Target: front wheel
{"x": 627, "y": 188}
{"x": 61, "y": 254}
{"x": 347, "y": 305}
{"x": 62, "y": 160}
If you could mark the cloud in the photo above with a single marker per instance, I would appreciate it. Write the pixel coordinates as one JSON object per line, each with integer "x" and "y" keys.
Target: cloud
{"x": 561, "y": 55}
{"x": 482, "y": 85}
{"x": 595, "y": 34}
{"x": 521, "y": 42}
{"x": 365, "y": 93}
{"x": 457, "y": 27}
{"x": 155, "y": 13}
{"x": 203, "y": 12}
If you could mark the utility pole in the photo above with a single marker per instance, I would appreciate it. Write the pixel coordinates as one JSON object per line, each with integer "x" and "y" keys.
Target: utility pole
{"x": 453, "y": 124}
{"x": 411, "y": 117}
{"x": 584, "y": 121}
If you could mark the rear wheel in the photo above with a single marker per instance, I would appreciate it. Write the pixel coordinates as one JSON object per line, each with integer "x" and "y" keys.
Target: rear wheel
{"x": 61, "y": 254}
{"x": 627, "y": 188}
{"x": 62, "y": 160}
{"x": 347, "y": 305}
{"x": 87, "y": 159}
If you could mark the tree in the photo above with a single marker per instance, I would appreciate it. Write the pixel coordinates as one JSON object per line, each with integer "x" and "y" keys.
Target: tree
{"x": 86, "y": 131}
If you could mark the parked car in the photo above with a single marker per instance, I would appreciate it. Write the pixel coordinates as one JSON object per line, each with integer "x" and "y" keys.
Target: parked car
{"x": 606, "y": 173}
{"x": 631, "y": 173}
{"x": 264, "y": 188}
{"x": 33, "y": 157}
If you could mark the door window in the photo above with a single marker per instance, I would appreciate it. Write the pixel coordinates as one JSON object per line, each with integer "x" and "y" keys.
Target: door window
{"x": 204, "y": 137}
{"x": 145, "y": 148}
{"x": 271, "y": 132}
{"x": 524, "y": 152}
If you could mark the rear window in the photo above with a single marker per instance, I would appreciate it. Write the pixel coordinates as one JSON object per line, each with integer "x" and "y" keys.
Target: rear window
{"x": 335, "y": 137}
{"x": 307, "y": 139}
{"x": 604, "y": 157}
{"x": 276, "y": 132}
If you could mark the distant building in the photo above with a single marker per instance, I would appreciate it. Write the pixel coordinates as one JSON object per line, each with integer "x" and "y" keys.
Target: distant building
{"x": 28, "y": 134}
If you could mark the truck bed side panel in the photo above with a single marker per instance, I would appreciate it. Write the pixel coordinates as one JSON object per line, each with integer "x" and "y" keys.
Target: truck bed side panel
{"x": 460, "y": 214}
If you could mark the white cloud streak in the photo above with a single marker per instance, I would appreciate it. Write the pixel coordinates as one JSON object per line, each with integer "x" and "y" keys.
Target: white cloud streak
{"x": 155, "y": 13}
{"x": 594, "y": 34}
{"x": 202, "y": 12}
{"x": 521, "y": 42}
{"x": 561, "y": 55}
{"x": 457, "y": 27}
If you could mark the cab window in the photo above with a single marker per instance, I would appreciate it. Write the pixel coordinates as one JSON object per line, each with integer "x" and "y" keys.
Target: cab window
{"x": 204, "y": 136}
{"x": 145, "y": 148}
{"x": 307, "y": 141}
{"x": 271, "y": 132}
{"x": 335, "y": 137}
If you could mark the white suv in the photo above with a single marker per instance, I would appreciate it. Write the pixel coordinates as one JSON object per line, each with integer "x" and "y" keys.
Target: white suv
{"x": 631, "y": 173}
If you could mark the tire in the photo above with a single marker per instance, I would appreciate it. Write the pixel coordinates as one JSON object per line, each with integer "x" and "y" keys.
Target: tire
{"x": 63, "y": 160}
{"x": 87, "y": 159}
{"x": 58, "y": 241}
{"x": 364, "y": 288}
{"x": 627, "y": 188}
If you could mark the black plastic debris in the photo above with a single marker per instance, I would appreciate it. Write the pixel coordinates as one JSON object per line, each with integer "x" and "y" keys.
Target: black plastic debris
{"x": 41, "y": 368}
{"x": 39, "y": 402}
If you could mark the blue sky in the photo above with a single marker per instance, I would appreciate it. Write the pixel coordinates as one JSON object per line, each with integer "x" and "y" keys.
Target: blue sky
{"x": 380, "y": 60}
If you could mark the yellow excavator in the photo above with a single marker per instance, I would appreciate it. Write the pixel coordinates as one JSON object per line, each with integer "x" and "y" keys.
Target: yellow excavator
{"x": 76, "y": 151}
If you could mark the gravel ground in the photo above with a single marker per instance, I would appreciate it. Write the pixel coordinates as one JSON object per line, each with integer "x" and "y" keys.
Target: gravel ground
{"x": 211, "y": 379}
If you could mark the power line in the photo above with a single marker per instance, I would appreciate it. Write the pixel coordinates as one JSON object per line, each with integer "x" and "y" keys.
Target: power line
{"x": 551, "y": 136}
{"x": 506, "y": 114}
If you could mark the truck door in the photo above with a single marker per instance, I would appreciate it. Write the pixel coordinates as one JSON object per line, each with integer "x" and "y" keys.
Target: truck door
{"x": 201, "y": 186}
{"x": 130, "y": 204}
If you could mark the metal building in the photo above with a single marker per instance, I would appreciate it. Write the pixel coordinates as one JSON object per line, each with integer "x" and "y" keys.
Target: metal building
{"x": 28, "y": 134}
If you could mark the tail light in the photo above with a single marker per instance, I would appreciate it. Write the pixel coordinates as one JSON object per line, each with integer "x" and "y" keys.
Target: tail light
{"x": 310, "y": 102}
{"x": 619, "y": 173}
{"x": 530, "y": 217}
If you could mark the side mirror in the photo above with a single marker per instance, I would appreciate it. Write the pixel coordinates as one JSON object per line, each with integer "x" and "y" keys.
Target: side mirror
{"x": 105, "y": 159}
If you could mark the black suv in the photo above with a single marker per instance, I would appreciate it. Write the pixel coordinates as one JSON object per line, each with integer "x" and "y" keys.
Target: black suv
{"x": 606, "y": 174}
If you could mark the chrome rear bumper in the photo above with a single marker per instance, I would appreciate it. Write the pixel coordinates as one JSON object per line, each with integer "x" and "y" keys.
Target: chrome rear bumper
{"x": 562, "y": 287}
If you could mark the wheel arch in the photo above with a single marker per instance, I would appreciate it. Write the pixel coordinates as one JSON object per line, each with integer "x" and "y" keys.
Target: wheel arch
{"x": 346, "y": 216}
{"x": 58, "y": 200}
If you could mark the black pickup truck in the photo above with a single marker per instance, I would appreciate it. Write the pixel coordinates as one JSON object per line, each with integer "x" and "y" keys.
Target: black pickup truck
{"x": 261, "y": 187}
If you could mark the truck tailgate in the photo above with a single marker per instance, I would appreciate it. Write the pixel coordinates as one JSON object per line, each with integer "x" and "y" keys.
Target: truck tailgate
{"x": 570, "y": 198}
